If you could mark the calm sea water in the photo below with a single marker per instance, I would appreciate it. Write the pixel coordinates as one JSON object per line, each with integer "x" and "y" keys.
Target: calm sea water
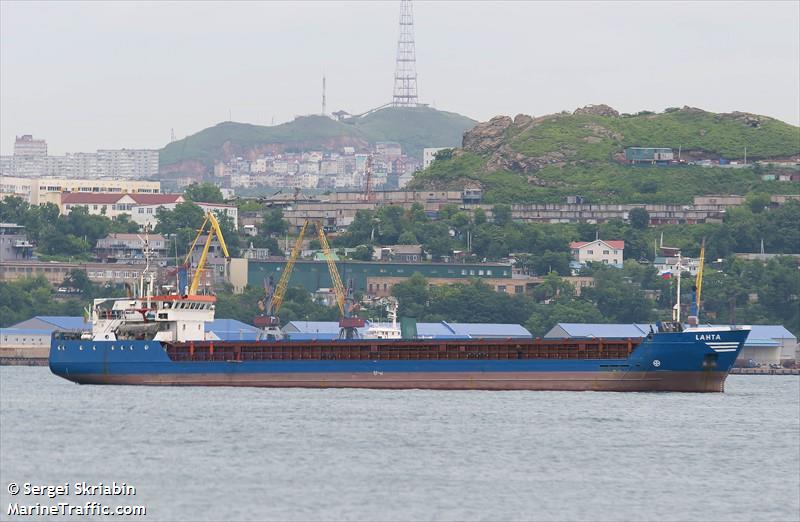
{"x": 253, "y": 454}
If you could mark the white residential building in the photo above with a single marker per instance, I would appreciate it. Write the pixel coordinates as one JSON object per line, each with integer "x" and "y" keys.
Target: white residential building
{"x": 429, "y": 154}
{"x": 113, "y": 205}
{"x": 259, "y": 165}
{"x": 26, "y": 146}
{"x": 30, "y": 159}
{"x": 128, "y": 163}
{"x": 598, "y": 251}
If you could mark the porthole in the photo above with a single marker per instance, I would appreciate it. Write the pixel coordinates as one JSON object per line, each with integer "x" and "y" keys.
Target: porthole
{"x": 94, "y": 348}
{"x": 146, "y": 347}
{"x": 80, "y": 347}
{"x": 112, "y": 347}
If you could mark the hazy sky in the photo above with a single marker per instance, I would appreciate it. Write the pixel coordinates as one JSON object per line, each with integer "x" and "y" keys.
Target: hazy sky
{"x": 108, "y": 75}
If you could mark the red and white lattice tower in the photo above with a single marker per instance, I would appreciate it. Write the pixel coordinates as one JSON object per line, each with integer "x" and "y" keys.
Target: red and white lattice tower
{"x": 405, "y": 73}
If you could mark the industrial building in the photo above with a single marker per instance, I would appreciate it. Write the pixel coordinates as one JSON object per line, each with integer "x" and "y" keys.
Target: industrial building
{"x": 378, "y": 278}
{"x": 649, "y": 155}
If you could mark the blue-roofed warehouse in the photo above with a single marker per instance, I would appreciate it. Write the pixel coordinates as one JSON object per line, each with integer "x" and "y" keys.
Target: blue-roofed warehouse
{"x": 53, "y": 322}
{"x": 766, "y": 344}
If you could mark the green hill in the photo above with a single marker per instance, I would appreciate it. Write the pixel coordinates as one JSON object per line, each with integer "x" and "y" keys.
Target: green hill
{"x": 548, "y": 158}
{"x": 413, "y": 128}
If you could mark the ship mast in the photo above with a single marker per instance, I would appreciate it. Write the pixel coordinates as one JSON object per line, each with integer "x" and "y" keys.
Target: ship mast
{"x": 679, "y": 267}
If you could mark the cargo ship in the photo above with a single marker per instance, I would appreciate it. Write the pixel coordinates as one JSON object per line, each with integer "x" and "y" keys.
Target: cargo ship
{"x": 161, "y": 340}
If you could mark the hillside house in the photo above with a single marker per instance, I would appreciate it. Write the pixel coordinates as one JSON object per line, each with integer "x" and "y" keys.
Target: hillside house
{"x": 608, "y": 252}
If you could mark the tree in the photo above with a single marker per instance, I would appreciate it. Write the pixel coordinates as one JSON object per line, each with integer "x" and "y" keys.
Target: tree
{"x": 362, "y": 253}
{"x": 757, "y": 202}
{"x": 501, "y": 214}
{"x": 122, "y": 224}
{"x": 479, "y": 216}
{"x": 563, "y": 310}
{"x": 13, "y": 209}
{"x": 407, "y": 238}
{"x": 553, "y": 287}
{"x": 620, "y": 301}
{"x": 181, "y": 223}
{"x": 273, "y": 223}
{"x": 412, "y": 296}
{"x": 203, "y": 193}
{"x": 639, "y": 218}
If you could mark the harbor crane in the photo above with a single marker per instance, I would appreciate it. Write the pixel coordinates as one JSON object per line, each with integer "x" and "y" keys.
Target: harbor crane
{"x": 213, "y": 230}
{"x": 269, "y": 320}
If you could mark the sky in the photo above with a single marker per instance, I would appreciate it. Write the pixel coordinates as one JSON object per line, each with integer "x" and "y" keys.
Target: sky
{"x": 93, "y": 75}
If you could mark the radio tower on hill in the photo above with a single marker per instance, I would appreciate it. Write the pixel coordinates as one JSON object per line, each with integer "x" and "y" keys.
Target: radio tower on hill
{"x": 405, "y": 73}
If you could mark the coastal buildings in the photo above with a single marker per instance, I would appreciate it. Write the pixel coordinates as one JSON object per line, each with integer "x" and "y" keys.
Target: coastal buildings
{"x": 344, "y": 168}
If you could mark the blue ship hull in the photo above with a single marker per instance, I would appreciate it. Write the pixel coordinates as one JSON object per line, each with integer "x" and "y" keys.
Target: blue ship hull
{"x": 684, "y": 361}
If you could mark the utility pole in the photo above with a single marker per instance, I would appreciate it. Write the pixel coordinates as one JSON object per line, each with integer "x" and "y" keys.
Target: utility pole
{"x": 323, "y": 95}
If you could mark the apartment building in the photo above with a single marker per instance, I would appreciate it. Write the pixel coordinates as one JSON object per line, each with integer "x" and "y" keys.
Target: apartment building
{"x": 30, "y": 159}
{"x": 38, "y": 191}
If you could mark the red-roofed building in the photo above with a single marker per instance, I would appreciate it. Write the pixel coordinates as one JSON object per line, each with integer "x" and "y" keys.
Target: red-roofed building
{"x": 113, "y": 205}
{"x": 157, "y": 199}
{"x": 608, "y": 252}
{"x": 97, "y": 203}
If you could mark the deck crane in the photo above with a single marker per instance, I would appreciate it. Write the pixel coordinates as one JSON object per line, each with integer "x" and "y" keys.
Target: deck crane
{"x": 213, "y": 229}
{"x": 269, "y": 320}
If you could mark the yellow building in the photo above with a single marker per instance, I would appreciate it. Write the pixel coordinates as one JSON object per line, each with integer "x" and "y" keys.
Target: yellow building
{"x": 38, "y": 191}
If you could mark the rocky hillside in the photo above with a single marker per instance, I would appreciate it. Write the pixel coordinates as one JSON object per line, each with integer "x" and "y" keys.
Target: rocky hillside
{"x": 546, "y": 158}
{"x": 413, "y": 128}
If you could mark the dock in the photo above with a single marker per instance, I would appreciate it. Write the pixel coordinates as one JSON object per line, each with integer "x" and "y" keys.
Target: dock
{"x": 765, "y": 371}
